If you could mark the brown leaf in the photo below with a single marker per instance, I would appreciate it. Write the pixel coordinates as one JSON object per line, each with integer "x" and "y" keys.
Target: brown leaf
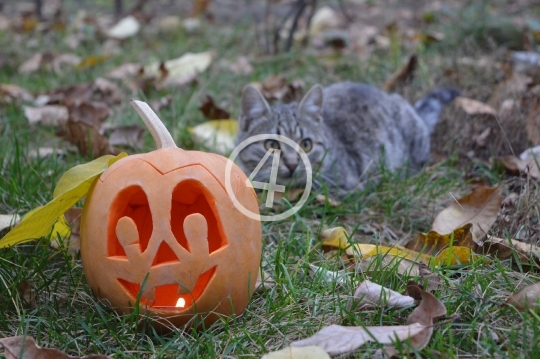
{"x": 474, "y": 107}
{"x": 127, "y": 136}
{"x": 108, "y": 91}
{"x": 264, "y": 282}
{"x": 73, "y": 94}
{"x": 432, "y": 281}
{"x": 403, "y": 75}
{"x": 211, "y": 111}
{"x": 84, "y": 128}
{"x": 373, "y": 295}
{"x": 25, "y": 347}
{"x": 25, "y": 291}
{"x": 275, "y": 87}
{"x": 526, "y": 298}
{"x": 480, "y": 208}
{"x": 336, "y": 339}
{"x": 50, "y": 115}
{"x": 426, "y": 314}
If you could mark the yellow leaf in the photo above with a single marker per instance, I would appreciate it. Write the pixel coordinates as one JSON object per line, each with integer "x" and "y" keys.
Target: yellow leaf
{"x": 91, "y": 61}
{"x": 454, "y": 255}
{"x": 433, "y": 242}
{"x": 73, "y": 185}
{"x": 399, "y": 251}
{"x": 218, "y": 135}
{"x": 335, "y": 237}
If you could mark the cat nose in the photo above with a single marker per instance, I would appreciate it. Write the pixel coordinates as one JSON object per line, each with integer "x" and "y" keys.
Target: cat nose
{"x": 291, "y": 166}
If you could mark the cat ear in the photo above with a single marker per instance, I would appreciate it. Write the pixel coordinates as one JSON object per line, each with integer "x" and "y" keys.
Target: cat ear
{"x": 311, "y": 104}
{"x": 253, "y": 105}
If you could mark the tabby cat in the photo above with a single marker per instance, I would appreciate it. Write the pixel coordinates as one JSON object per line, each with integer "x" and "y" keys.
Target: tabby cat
{"x": 347, "y": 130}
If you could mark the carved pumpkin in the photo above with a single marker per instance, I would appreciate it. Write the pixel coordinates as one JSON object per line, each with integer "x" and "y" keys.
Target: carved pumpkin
{"x": 160, "y": 227}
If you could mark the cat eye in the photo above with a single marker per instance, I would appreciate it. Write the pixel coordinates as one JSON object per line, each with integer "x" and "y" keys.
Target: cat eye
{"x": 306, "y": 144}
{"x": 271, "y": 145}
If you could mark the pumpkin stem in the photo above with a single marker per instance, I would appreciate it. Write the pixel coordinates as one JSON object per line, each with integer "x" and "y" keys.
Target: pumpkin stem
{"x": 159, "y": 132}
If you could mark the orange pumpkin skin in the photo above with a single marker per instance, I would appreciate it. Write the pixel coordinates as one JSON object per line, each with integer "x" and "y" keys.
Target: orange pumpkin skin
{"x": 166, "y": 216}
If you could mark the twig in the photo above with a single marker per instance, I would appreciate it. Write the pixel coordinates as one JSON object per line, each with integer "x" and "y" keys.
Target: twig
{"x": 277, "y": 31}
{"x": 288, "y": 44}
{"x": 308, "y": 24}
{"x": 118, "y": 8}
{"x": 39, "y": 13}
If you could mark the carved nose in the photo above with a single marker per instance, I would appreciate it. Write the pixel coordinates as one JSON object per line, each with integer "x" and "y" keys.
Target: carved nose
{"x": 291, "y": 166}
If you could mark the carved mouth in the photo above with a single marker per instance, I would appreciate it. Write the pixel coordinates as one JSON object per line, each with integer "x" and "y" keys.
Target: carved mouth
{"x": 167, "y": 297}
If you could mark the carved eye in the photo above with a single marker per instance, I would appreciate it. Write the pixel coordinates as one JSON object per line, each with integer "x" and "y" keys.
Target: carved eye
{"x": 306, "y": 144}
{"x": 271, "y": 145}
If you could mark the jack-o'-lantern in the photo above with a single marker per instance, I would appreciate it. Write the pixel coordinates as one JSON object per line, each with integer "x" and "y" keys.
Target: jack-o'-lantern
{"x": 160, "y": 229}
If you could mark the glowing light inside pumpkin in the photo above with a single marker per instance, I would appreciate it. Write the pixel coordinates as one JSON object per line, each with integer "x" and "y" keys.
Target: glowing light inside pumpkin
{"x": 181, "y": 303}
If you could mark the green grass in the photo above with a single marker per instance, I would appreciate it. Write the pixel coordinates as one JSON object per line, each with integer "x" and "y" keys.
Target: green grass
{"x": 67, "y": 315}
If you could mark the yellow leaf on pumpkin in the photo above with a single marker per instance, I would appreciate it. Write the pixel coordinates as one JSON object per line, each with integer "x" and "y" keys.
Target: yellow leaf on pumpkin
{"x": 72, "y": 186}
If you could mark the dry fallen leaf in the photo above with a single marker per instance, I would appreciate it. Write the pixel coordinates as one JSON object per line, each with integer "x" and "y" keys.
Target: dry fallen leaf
{"x": 211, "y": 111}
{"x": 241, "y": 66}
{"x": 25, "y": 347}
{"x": 329, "y": 276}
{"x": 456, "y": 247}
{"x": 323, "y": 200}
{"x": 50, "y": 115}
{"x": 426, "y": 314}
{"x": 474, "y": 107}
{"x": 216, "y": 135}
{"x": 516, "y": 166}
{"x": 127, "y": 136}
{"x": 311, "y": 352}
{"x": 127, "y": 27}
{"x": 180, "y": 71}
{"x": 373, "y": 295}
{"x": 84, "y": 128}
{"x": 336, "y": 339}
{"x": 10, "y": 93}
{"x": 432, "y": 281}
{"x": 504, "y": 248}
{"x": 27, "y": 293}
{"x": 275, "y": 87}
{"x": 403, "y": 75}
{"x": 43, "y": 152}
{"x": 480, "y": 208}
{"x": 125, "y": 71}
{"x": 8, "y": 221}
{"x": 526, "y": 298}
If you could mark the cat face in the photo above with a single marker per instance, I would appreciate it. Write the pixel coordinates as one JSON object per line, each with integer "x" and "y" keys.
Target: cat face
{"x": 302, "y": 123}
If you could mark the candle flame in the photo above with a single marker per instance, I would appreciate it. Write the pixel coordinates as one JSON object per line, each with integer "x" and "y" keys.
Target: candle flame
{"x": 181, "y": 303}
